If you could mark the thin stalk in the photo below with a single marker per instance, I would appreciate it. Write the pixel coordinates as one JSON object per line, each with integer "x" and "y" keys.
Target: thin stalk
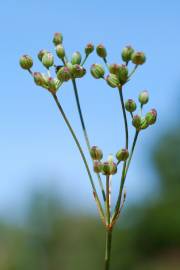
{"x": 107, "y": 202}
{"x": 132, "y": 151}
{"x": 82, "y": 154}
{"x": 106, "y": 63}
{"x": 108, "y": 249}
{"x": 132, "y": 72}
{"x": 85, "y": 58}
{"x": 85, "y": 132}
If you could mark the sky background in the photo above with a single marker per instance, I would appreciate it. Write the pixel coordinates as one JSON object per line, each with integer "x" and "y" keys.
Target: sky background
{"x": 36, "y": 149}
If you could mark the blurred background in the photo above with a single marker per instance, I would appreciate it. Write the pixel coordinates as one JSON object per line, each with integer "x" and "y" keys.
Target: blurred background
{"x": 48, "y": 218}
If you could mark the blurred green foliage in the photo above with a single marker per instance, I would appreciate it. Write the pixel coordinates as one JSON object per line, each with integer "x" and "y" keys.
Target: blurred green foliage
{"x": 52, "y": 239}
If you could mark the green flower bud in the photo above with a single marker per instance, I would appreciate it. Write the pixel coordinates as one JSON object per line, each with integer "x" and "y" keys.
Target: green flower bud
{"x": 52, "y": 85}
{"x": 101, "y": 51}
{"x": 89, "y": 48}
{"x": 112, "y": 80}
{"x": 48, "y": 60}
{"x": 114, "y": 69}
{"x": 106, "y": 168}
{"x": 76, "y": 58}
{"x": 130, "y": 105}
{"x": 64, "y": 74}
{"x": 38, "y": 78}
{"x": 113, "y": 168}
{"x": 60, "y": 51}
{"x": 41, "y": 54}
{"x": 144, "y": 123}
{"x": 151, "y": 117}
{"x": 78, "y": 71}
{"x": 97, "y": 71}
{"x": 136, "y": 121}
{"x": 138, "y": 58}
{"x": 123, "y": 74}
{"x": 26, "y": 62}
{"x": 127, "y": 53}
{"x": 122, "y": 155}
{"x": 96, "y": 153}
{"x": 97, "y": 166}
{"x": 144, "y": 97}
{"x": 58, "y": 39}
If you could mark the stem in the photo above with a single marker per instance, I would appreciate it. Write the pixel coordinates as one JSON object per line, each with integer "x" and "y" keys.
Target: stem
{"x": 85, "y": 58}
{"x": 106, "y": 63}
{"x": 132, "y": 72}
{"x": 108, "y": 249}
{"x": 107, "y": 202}
{"x": 81, "y": 152}
{"x": 132, "y": 151}
{"x": 85, "y": 133}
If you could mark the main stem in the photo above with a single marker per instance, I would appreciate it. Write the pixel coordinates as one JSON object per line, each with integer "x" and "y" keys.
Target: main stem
{"x": 108, "y": 249}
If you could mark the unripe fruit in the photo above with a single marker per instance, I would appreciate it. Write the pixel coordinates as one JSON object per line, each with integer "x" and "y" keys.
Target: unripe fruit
{"x": 112, "y": 80}
{"x": 60, "y": 51}
{"x": 26, "y": 62}
{"x": 58, "y": 39}
{"x": 52, "y": 85}
{"x": 151, "y": 117}
{"x": 106, "y": 168}
{"x": 76, "y": 58}
{"x": 48, "y": 60}
{"x": 78, "y": 71}
{"x": 101, "y": 51}
{"x": 89, "y": 48}
{"x": 38, "y": 78}
{"x": 144, "y": 123}
{"x": 136, "y": 121}
{"x": 123, "y": 74}
{"x": 41, "y": 54}
{"x": 113, "y": 168}
{"x": 114, "y": 69}
{"x": 144, "y": 97}
{"x": 97, "y": 71}
{"x": 96, "y": 153}
{"x": 127, "y": 53}
{"x": 97, "y": 166}
{"x": 130, "y": 105}
{"x": 122, "y": 155}
{"x": 138, "y": 58}
{"x": 64, "y": 74}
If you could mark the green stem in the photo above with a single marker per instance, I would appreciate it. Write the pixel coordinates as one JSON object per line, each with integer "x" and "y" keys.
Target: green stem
{"x": 132, "y": 72}
{"x": 81, "y": 152}
{"x": 83, "y": 62}
{"x": 108, "y": 249}
{"x": 85, "y": 133}
{"x": 132, "y": 151}
{"x": 106, "y": 63}
{"x": 107, "y": 202}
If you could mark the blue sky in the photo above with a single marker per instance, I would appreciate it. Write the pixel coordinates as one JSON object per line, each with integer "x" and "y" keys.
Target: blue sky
{"x": 36, "y": 147}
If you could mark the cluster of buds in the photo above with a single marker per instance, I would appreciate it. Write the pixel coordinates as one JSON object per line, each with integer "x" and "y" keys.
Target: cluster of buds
{"x": 67, "y": 71}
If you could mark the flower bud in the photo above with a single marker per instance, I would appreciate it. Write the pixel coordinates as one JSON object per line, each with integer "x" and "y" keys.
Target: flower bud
{"x": 130, "y": 105}
{"x": 26, "y": 62}
{"x": 127, "y": 53}
{"x": 97, "y": 166}
{"x": 122, "y": 155}
{"x": 123, "y": 74}
{"x": 114, "y": 69}
{"x": 113, "y": 168}
{"x": 38, "y": 78}
{"x": 78, "y": 71}
{"x": 60, "y": 51}
{"x": 138, "y": 58}
{"x": 151, "y": 117}
{"x": 106, "y": 168}
{"x": 64, "y": 74}
{"x": 41, "y": 54}
{"x": 58, "y": 39}
{"x": 48, "y": 60}
{"x": 89, "y": 48}
{"x": 112, "y": 80}
{"x": 76, "y": 58}
{"x": 144, "y": 123}
{"x": 101, "y": 51}
{"x": 52, "y": 85}
{"x": 136, "y": 121}
{"x": 144, "y": 97}
{"x": 97, "y": 71}
{"x": 96, "y": 153}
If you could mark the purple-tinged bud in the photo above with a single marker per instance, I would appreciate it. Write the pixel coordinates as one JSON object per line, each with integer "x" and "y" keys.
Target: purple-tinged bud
{"x": 101, "y": 51}
{"x": 97, "y": 166}
{"x": 144, "y": 123}
{"x": 123, "y": 74}
{"x": 106, "y": 168}
{"x": 60, "y": 51}
{"x": 41, "y": 54}
{"x": 138, "y": 58}
{"x": 58, "y": 39}
{"x": 114, "y": 69}
{"x": 113, "y": 168}
{"x": 96, "y": 153}
{"x": 89, "y": 48}
{"x": 151, "y": 117}
{"x": 122, "y": 155}
{"x": 52, "y": 85}
{"x": 127, "y": 53}
{"x": 136, "y": 121}
{"x": 144, "y": 97}
{"x": 97, "y": 71}
{"x": 48, "y": 60}
{"x": 26, "y": 62}
{"x": 130, "y": 105}
{"x": 76, "y": 58}
{"x": 64, "y": 74}
{"x": 78, "y": 71}
{"x": 38, "y": 78}
{"x": 112, "y": 80}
